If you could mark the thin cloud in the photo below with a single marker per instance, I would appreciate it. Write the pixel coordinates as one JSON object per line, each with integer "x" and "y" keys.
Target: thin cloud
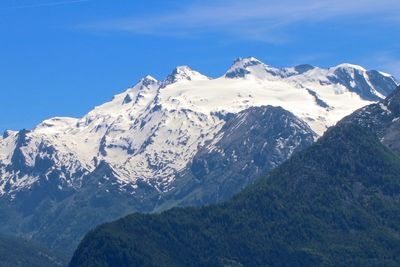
{"x": 45, "y": 4}
{"x": 256, "y": 19}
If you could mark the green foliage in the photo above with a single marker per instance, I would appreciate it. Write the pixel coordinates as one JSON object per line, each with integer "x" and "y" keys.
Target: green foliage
{"x": 17, "y": 252}
{"x": 335, "y": 204}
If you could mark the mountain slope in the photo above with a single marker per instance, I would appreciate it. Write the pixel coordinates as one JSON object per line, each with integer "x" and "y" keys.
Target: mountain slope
{"x": 16, "y": 252}
{"x": 145, "y": 150}
{"x": 249, "y": 145}
{"x": 335, "y": 204}
{"x": 382, "y": 118}
{"x": 61, "y": 220}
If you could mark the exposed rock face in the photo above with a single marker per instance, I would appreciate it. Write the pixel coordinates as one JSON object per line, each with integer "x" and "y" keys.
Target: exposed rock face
{"x": 383, "y": 118}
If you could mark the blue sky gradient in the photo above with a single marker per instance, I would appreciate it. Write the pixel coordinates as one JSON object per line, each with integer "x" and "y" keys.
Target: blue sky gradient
{"x": 61, "y": 58}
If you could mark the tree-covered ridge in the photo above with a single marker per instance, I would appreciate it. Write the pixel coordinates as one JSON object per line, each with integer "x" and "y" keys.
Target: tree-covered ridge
{"x": 334, "y": 204}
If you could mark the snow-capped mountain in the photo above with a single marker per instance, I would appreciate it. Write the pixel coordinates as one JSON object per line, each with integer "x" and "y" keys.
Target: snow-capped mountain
{"x": 151, "y": 131}
{"x": 187, "y": 140}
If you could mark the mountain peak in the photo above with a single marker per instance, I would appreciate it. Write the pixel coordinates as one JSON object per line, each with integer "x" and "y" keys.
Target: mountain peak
{"x": 247, "y": 61}
{"x": 148, "y": 80}
{"x": 349, "y": 66}
{"x": 300, "y": 69}
{"x": 243, "y": 67}
{"x": 8, "y": 133}
{"x": 182, "y": 69}
{"x": 144, "y": 82}
{"x": 240, "y": 67}
{"x": 184, "y": 73}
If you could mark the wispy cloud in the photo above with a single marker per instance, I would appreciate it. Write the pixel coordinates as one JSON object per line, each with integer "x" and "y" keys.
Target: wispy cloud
{"x": 44, "y": 4}
{"x": 255, "y": 19}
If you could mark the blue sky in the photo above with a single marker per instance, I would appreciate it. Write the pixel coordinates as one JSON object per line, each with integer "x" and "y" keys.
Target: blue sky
{"x": 63, "y": 57}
